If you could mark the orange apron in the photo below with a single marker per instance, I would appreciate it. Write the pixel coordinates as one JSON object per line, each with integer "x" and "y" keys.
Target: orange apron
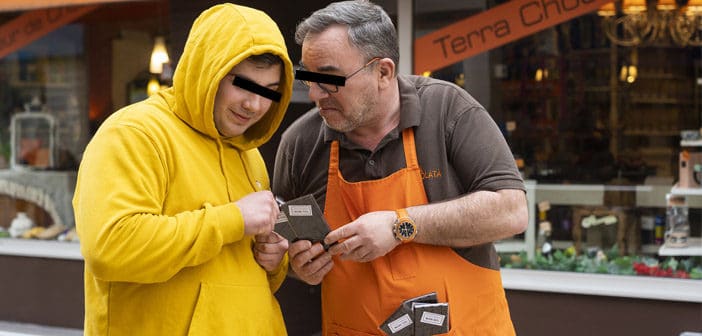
{"x": 358, "y": 297}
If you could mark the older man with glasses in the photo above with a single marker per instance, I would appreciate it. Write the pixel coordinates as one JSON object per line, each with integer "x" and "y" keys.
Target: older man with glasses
{"x": 415, "y": 179}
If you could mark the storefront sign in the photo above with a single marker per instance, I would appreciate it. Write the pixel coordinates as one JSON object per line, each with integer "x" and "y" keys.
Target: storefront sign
{"x": 493, "y": 28}
{"x": 21, "y": 5}
{"x": 30, "y": 26}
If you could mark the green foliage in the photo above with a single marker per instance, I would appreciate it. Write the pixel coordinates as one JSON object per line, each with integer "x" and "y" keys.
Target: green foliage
{"x": 606, "y": 262}
{"x": 696, "y": 273}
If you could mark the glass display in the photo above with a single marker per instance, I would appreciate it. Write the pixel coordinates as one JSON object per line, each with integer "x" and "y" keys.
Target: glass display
{"x": 595, "y": 128}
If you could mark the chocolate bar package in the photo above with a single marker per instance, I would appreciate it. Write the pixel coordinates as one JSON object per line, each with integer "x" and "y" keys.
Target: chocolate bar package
{"x": 301, "y": 218}
{"x": 401, "y": 322}
{"x": 426, "y": 298}
{"x": 430, "y": 318}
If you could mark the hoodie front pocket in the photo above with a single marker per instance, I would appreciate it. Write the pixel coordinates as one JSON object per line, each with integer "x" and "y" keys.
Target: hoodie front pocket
{"x": 236, "y": 310}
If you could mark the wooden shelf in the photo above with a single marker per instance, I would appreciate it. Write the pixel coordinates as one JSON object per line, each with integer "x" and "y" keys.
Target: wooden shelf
{"x": 657, "y": 151}
{"x": 648, "y": 100}
{"x": 686, "y": 191}
{"x": 635, "y": 132}
{"x": 691, "y": 143}
{"x": 598, "y": 88}
{"x": 656, "y": 76}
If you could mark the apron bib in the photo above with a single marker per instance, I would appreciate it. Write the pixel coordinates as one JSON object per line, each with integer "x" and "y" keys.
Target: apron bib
{"x": 358, "y": 297}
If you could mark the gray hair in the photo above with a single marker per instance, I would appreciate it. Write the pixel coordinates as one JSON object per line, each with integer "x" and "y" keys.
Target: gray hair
{"x": 370, "y": 27}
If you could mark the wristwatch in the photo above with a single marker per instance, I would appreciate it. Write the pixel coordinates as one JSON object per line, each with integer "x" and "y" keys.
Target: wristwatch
{"x": 404, "y": 228}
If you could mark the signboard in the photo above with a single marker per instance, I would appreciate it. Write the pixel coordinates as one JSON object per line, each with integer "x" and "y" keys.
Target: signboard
{"x": 492, "y": 28}
{"x": 22, "y": 5}
{"x": 30, "y": 26}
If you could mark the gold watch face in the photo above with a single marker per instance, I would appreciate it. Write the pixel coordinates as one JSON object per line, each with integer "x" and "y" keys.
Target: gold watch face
{"x": 406, "y": 230}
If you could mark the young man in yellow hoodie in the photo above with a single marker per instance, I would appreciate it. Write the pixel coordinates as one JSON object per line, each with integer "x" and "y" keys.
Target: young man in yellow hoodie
{"x": 172, "y": 203}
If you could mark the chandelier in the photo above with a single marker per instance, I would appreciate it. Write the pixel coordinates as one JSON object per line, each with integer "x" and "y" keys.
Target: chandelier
{"x": 635, "y": 22}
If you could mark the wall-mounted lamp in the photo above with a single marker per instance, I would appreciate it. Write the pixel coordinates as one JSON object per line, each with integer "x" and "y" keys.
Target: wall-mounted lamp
{"x": 152, "y": 86}
{"x": 629, "y": 71}
{"x": 159, "y": 55}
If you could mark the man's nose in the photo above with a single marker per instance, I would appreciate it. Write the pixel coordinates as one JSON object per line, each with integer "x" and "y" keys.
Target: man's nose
{"x": 254, "y": 103}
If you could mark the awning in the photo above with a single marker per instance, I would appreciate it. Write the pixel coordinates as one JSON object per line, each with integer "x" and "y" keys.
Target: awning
{"x": 23, "y": 5}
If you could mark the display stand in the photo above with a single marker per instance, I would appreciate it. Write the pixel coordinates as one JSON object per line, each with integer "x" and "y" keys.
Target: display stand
{"x": 33, "y": 140}
{"x": 694, "y": 245}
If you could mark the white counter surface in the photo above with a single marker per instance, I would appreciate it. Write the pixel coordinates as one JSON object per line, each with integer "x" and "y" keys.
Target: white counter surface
{"x": 641, "y": 287}
{"x": 40, "y": 249}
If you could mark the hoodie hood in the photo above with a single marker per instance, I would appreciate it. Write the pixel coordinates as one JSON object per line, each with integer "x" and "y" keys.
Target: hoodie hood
{"x": 220, "y": 38}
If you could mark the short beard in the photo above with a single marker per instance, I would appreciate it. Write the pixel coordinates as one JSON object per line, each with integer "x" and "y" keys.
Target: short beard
{"x": 346, "y": 126}
{"x": 350, "y": 123}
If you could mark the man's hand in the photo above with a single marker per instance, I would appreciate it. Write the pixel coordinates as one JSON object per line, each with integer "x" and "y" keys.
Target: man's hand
{"x": 368, "y": 237}
{"x": 260, "y": 212}
{"x": 269, "y": 250}
{"x": 309, "y": 262}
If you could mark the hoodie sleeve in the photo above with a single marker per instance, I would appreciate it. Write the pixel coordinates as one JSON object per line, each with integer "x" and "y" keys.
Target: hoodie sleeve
{"x": 120, "y": 192}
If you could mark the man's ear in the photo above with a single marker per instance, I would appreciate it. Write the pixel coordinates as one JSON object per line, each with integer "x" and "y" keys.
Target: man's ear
{"x": 386, "y": 70}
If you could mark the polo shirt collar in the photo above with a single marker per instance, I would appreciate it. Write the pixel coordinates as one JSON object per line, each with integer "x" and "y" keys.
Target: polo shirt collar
{"x": 410, "y": 111}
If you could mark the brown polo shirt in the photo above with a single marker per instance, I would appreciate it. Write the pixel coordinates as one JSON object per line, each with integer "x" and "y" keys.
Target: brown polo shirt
{"x": 459, "y": 147}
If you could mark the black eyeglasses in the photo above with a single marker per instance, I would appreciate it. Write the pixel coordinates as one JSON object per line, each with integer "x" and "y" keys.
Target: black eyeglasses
{"x": 326, "y": 82}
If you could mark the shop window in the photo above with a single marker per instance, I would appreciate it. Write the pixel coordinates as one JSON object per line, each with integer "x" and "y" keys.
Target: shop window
{"x": 595, "y": 128}
{"x": 45, "y": 102}
{"x": 43, "y": 119}
{"x": 54, "y": 92}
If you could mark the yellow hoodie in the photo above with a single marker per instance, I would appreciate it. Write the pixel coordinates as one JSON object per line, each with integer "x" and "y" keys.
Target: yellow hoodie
{"x": 164, "y": 245}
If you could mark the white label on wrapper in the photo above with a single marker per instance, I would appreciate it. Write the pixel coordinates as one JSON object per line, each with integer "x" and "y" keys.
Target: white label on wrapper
{"x": 432, "y": 318}
{"x": 399, "y": 324}
{"x": 300, "y": 210}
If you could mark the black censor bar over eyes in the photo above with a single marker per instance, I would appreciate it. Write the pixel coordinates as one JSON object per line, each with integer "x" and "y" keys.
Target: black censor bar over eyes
{"x": 317, "y": 77}
{"x": 257, "y": 89}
